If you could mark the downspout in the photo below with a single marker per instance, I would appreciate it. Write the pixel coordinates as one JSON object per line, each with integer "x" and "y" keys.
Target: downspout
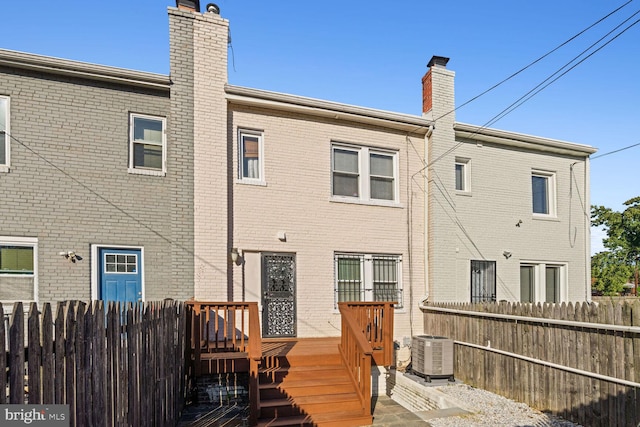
{"x": 587, "y": 240}
{"x": 427, "y": 142}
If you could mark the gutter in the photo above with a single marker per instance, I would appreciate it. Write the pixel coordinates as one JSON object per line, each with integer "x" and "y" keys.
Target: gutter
{"x": 333, "y": 110}
{"x": 519, "y": 140}
{"x": 65, "y": 67}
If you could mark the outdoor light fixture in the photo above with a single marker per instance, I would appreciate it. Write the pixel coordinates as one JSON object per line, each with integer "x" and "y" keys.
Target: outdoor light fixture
{"x": 235, "y": 256}
{"x": 507, "y": 254}
{"x": 71, "y": 256}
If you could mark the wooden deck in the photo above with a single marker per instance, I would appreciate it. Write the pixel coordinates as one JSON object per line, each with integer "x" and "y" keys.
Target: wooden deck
{"x": 304, "y": 382}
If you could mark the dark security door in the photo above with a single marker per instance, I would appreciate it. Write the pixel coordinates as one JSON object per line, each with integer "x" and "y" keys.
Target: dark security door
{"x": 483, "y": 281}
{"x": 278, "y": 295}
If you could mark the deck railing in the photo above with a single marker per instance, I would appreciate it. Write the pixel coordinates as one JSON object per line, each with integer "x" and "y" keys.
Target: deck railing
{"x": 367, "y": 336}
{"x": 226, "y": 331}
{"x": 375, "y": 320}
{"x": 356, "y": 353}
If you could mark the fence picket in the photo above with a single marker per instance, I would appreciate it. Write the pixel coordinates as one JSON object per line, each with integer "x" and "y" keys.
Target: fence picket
{"x": 3, "y": 358}
{"x": 48, "y": 356}
{"x": 16, "y": 355}
{"x": 34, "y": 355}
{"x": 60, "y": 359}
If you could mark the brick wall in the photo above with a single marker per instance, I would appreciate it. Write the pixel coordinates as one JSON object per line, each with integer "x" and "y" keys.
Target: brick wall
{"x": 76, "y": 190}
{"x": 296, "y": 199}
{"x": 199, "y": 117}
{"x": 481, "y": 224}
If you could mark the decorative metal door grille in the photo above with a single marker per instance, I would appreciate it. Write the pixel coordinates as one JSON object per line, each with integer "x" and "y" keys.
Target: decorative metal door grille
{"x": 278, "y": 295}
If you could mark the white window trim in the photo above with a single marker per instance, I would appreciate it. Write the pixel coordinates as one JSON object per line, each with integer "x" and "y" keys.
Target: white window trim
{"x": 26, "y": 242}
{"x": 260, "y": 135}
{"x": 5, "y": 167}
{"x": 366, "y": 273}
{"x": 147, "y": 171}
{"x": 551, "y": 190}
{"x": 539, "y": 279}
{"x": 95, "y": 268}
{"x": 364, "y": 174}
{"x": 466, "y": 167}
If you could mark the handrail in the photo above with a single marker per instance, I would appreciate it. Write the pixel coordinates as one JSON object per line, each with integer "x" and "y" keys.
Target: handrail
{"x": 375, "y": 319}
{"x": 356, "y": 353}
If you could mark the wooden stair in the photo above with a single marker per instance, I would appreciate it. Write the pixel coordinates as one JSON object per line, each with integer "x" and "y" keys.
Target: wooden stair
{"x": 304, "y": 383}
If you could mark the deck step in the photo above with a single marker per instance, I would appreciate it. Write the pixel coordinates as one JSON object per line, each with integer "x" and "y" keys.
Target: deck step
{"x": 301, "y": 373}
{"x": 329, "y": 419}
{"x": 306, "y": 384}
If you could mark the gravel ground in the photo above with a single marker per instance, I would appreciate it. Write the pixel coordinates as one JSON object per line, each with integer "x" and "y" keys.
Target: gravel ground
{"x": 493, "y": 410}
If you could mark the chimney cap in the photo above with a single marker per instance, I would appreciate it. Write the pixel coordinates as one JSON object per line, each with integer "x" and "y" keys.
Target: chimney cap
{"x": 192, "y": 5}
{"x": 213, "y": 8}
{"x": 440, "y": 61}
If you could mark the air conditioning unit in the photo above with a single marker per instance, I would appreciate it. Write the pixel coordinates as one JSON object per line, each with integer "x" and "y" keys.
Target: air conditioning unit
{"x": 432, "y": 356}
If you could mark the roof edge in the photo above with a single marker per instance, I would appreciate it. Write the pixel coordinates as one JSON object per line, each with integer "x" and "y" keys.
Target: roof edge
{"x": 318, "y": 107}
{"x": 521, "y": 140}
{"x": 66, "y": 67}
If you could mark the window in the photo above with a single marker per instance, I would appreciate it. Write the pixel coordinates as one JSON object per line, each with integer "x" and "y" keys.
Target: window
{"x": 18, "y": 268}
{"x": 462, "y": 174}
{"x": 543, "y": 193}
{"x": 364, "y": 173}
{"x": 4, "y": 133}
{"x": 527, "y": 283}
{"x": 541, "y": 282}
{"x": 250, "y": 163}
{"x": 552, "y": 284}
{"x": 368, "y": 277}
{"x": 483, "y": 281}
{"x": 120, "y": 263}
{"x": 148, "y": 145}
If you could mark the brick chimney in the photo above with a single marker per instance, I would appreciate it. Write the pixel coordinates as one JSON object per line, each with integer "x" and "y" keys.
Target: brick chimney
{"x": 427, "y": 83}
{"x": 189, "y": 5}
{"x": 197, "y": 135}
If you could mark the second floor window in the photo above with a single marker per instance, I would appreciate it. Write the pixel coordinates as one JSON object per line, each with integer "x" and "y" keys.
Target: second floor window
{"x": 364, "y": 173}
{"x": 543, "y": 193}
{"x": 147, "y": 145}
{"x": 462, "y": 174}
{"x": 250, "y": 161}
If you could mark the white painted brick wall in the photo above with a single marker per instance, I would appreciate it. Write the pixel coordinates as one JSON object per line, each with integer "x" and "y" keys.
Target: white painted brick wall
{"x": 297, "y": 200}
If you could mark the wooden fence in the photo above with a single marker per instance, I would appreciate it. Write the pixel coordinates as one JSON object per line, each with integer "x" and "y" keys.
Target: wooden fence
{"x": 581, "y": 362}
{"x": 119, "y": 366}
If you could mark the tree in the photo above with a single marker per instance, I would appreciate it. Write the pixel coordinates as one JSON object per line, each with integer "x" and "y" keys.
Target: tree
{"x": 615, "y": 266}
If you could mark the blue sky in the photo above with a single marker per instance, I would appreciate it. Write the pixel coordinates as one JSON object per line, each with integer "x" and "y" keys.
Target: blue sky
{"x": 374, "y": 53}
